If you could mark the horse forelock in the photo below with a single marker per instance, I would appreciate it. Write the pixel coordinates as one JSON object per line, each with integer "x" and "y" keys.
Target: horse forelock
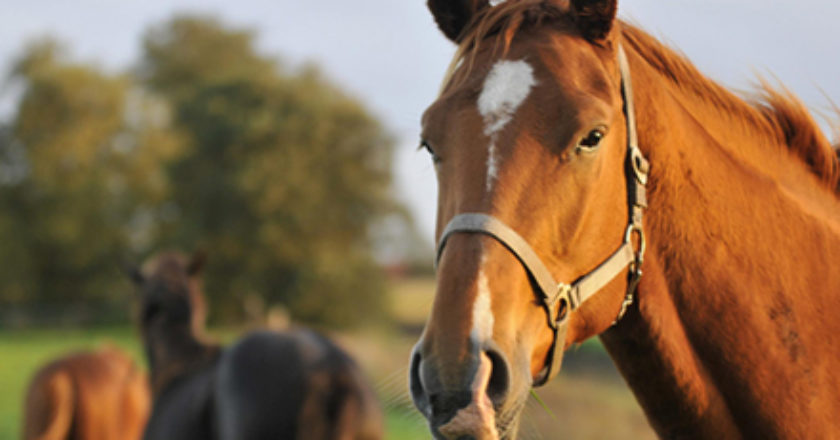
{"x": 502, "y": 21}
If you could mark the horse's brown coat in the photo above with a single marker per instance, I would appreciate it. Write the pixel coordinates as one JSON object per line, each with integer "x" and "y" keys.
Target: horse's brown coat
{"x": 96, "y": 395}
{"x": 732, "y": 334}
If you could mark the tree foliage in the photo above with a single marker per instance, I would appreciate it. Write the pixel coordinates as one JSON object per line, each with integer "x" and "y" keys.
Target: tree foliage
{"x": 77, "y": 174}
{"x": 276, "y": 173}
{"x": 285, "y": 177}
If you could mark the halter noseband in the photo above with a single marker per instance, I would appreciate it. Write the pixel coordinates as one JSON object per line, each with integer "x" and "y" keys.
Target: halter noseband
{"x": 572, "y": 296}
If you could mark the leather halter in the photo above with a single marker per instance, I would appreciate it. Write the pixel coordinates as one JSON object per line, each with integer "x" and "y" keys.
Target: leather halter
{"x": 559, "y": 299}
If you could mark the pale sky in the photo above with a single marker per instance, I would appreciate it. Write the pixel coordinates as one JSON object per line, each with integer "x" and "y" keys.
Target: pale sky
{"x": 389, "y": 53}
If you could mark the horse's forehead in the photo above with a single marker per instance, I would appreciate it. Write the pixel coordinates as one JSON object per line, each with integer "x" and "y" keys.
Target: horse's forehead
{"x": 505, "y": 88}
{"x": 499, "y": 85}
{"x": 488, "y": 82}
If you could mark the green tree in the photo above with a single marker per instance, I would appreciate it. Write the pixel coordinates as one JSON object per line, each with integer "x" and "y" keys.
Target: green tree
{"x": 79, "y": 171}
{"x": 280, "y": 176}
{"x": 284, "y": 177}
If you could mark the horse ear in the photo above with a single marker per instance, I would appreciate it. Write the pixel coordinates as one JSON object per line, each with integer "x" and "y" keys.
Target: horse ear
{"x": 594, "y": 17}
{"x": 452, "y": 16}
{"x": 196, "y": 263}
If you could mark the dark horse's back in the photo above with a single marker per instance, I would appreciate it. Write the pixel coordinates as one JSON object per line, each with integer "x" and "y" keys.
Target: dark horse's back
{"x": 293, "y": 385}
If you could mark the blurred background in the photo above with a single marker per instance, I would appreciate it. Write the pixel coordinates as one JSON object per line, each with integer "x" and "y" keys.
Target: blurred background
{"x": 280, "y": 138}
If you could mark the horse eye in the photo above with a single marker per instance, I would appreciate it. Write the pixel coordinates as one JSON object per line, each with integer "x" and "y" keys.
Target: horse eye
{"x": 591, "y": 141}
{"x": 424, "y": 145}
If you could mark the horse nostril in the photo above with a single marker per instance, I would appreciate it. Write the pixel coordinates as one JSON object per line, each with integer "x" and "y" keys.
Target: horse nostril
{"x": 415, "y": 385}
{"x": 499, "y": 384}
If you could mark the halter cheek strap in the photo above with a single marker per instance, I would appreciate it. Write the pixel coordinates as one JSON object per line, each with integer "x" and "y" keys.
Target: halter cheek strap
{"x": 558, "y": 299}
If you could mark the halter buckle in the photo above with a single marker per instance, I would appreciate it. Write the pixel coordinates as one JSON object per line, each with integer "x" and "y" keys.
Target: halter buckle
{"x": 564, "y": 297}
{"x": 628, "y": 238}
{"x": 635, "y": 274}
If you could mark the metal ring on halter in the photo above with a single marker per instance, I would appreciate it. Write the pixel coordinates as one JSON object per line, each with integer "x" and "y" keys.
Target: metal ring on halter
{"x": 635, "y": 268}
{"x": 628, "y": 237}
{"x": 563, "y": 297}
{"x": 640, "y": 165}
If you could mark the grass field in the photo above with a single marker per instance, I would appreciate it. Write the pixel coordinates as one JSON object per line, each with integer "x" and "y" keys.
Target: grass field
{"x": 22, "y": 352}
{"x": 587, "y": 401}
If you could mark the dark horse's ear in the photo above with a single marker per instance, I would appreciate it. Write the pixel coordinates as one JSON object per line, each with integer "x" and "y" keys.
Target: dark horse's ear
{"x": 196, "y": 263}
{"x": 452, "y": 16}
{"x": 594, "y": 17}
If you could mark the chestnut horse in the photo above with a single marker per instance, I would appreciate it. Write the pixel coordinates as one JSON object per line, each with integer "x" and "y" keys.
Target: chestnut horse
{"x": 90, "y": 395}
{"x": 289, "y": 385}
{"x": 714, "y": 223}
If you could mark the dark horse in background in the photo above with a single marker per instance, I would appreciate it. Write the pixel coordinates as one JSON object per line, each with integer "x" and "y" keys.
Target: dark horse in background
{"x": 548, "y": 191}
{"x": 289, "y": 385}
{"x": 89, "y": 395}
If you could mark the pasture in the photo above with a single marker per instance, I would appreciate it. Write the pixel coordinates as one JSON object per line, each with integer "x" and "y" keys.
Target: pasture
{"x": 589, "y": 400}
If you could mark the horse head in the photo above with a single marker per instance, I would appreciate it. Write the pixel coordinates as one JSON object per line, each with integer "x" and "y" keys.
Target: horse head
{"x": 170, "y": 293}
{"x": 530, "y": 144}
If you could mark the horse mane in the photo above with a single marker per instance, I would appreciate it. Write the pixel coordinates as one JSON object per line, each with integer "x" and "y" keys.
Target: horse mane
{"x": 773, "y": 113}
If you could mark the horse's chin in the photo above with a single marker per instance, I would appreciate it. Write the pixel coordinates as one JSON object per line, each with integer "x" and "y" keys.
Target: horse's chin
{"x": 509, "y": 416}
{"x": 508, "y": 427}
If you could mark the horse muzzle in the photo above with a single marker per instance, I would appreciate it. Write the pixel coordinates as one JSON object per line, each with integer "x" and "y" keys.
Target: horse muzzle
{"x": 460, "y": 400}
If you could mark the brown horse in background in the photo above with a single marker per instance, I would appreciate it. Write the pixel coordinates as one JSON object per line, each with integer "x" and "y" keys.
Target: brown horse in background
{"x": 91, "y": 395}
{"x": 285, "y": 385}
{"x": 731, "y": 332}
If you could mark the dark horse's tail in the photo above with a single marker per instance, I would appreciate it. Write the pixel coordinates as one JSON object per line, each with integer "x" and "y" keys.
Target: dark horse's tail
{"x": 50, "y": 404}
{"x": 293, "y": 385}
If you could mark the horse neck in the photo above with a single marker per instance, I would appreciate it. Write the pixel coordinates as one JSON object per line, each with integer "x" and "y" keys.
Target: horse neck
{"x": 174, "y": 351}
{"x": 728, "y": 324}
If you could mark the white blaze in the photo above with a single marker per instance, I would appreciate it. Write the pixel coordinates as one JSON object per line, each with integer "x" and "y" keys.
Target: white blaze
{"x": 478, "y": 418}
{"x": 482, "y": 316}
{"x": 505, "y": 89}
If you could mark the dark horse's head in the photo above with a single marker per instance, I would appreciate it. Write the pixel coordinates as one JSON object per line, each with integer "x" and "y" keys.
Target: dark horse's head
{"x": 170, "y": 291}
{"x": 529, "y": 129}
{"x": 172, "y": 308}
